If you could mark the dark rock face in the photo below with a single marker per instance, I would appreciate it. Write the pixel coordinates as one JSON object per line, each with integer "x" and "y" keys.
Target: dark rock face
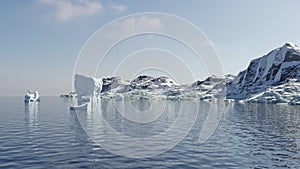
{"x": 111, "y": 83}
{"x": 210, "y": 81}
{"x": 141, "y": 82}
{"x": 270, "y": 70}
{"x": 290, "y": 72}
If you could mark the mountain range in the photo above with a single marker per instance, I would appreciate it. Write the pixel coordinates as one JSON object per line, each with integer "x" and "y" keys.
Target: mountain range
{"x": 272, "y": 78}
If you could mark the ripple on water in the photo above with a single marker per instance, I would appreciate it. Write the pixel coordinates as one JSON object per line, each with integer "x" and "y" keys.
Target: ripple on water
{"x": 49, "y": 136}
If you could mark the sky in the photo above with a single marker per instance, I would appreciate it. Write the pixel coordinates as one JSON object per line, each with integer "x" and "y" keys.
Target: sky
{"x": 40, "y": 40}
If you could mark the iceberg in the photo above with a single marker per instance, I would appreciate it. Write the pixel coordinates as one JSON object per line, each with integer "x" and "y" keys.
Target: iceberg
{"x": 32, "y": 96}
{"x": 83, "y": 106}
{"x": 87, "y": 86}
{"x": 71, "y": 94}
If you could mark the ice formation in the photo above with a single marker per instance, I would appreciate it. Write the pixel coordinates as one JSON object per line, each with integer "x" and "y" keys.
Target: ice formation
{"x": 87, "y": 86}
{"x": 272, "y": 78}
{"x": 32, "y": 96}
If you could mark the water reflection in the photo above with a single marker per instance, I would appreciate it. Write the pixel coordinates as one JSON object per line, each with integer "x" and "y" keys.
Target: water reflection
{"x": 249, "y": 136}
{"x": 138, "y": 133}
{"x": 269, "y": 131}
{"x": 70, "y": 101}
{"x": 31, "y": 113}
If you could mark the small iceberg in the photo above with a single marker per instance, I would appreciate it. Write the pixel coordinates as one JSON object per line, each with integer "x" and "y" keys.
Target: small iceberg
{"x": 71, "y": 94}
{"x": 32, "y": 96}
{"x": 80, "y": 107}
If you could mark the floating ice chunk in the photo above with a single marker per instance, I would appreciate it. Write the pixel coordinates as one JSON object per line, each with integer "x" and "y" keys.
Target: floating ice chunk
{"x": 32, "y": 96}
{"x": 87, "y": 86}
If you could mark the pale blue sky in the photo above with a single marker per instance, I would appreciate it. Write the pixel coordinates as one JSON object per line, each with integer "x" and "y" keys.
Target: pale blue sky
{"x": 40, "y": 40}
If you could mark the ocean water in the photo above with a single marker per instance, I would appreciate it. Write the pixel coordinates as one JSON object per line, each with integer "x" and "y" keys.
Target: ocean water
{"x": 49, "y": 135}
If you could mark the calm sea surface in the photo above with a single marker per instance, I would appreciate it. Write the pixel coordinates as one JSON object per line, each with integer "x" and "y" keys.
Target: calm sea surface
{"x": 49, "y": 135}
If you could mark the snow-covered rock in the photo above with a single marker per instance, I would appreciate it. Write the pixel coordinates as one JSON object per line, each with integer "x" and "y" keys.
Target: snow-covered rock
{"x": 272, "y": 78}
{"x": 147, "y": 86}
{"x": 262, "y": 73}
{"x": 288, "y": 92}
{"x": 113, "y": 85}
{"x": 150, "y": 83}
{"x": 209, "y": 88}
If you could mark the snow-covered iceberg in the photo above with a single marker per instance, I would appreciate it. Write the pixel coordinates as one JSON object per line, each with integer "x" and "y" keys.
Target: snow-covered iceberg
{"x": 32, "y": 96}
{"x": 87, "y": 86}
